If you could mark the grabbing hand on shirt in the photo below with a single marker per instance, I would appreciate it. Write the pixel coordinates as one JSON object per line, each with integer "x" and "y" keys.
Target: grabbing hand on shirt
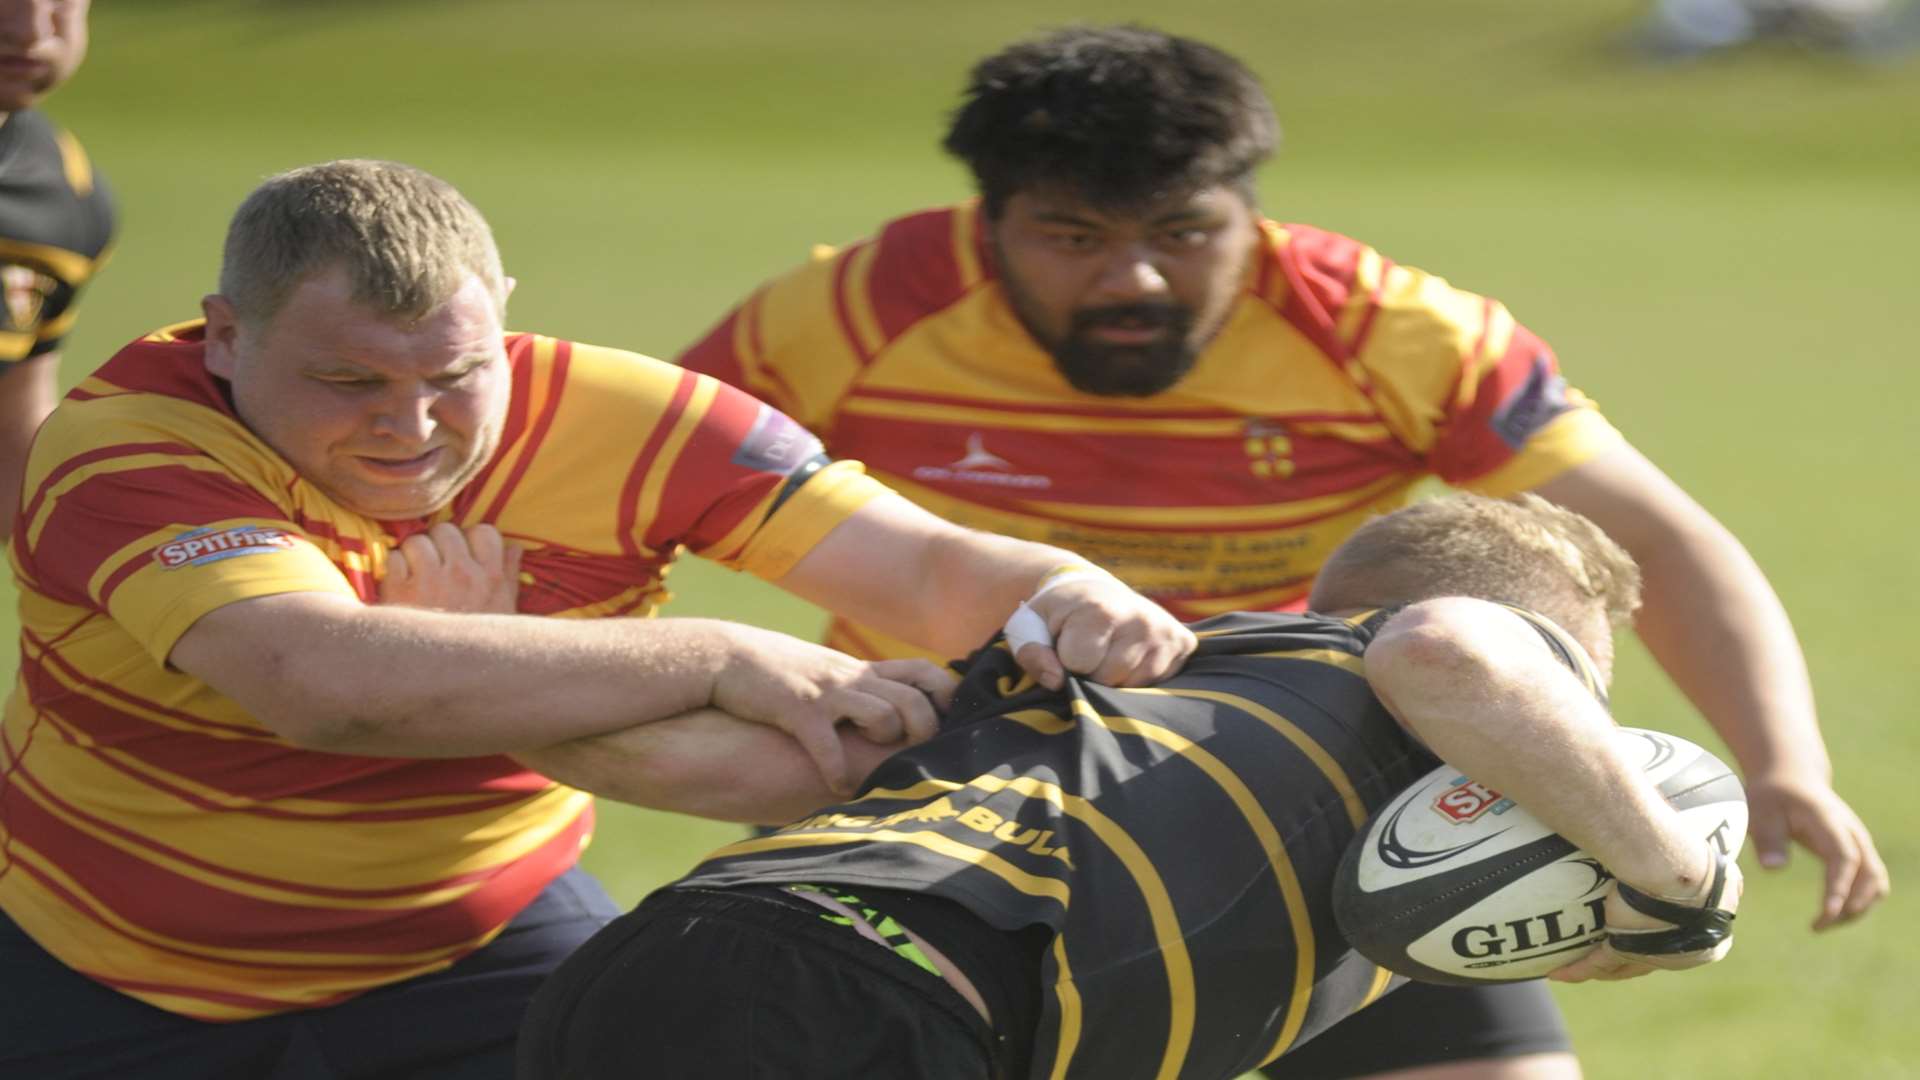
{"x": 448, "y": 568}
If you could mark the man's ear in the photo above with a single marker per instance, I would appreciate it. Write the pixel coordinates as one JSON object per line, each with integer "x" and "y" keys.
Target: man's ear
{"x": 222, "y": 336}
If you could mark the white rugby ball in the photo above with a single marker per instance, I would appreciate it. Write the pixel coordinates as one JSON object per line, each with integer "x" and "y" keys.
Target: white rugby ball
{"x": 1450, "y": 882}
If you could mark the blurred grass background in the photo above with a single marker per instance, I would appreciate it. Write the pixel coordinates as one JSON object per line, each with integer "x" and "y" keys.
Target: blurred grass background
{"x": 1722, "y": 252}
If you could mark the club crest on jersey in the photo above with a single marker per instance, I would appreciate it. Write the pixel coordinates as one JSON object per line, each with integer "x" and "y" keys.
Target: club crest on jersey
{"x": 1269, "y": 449}
{"x": 26, "y": 292}
{"x": 1468, "y": 801}
{"x": 197, "y": 547}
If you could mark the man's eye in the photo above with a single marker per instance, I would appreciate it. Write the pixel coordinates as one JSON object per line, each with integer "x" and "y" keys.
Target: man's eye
{"x": 1073, "y": 241}
{"x": 1190, "y": 237}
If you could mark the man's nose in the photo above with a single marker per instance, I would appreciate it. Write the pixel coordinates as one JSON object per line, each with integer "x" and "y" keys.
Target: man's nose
{"x": 1133, "y": 272}
{"x": 407, "y": 415}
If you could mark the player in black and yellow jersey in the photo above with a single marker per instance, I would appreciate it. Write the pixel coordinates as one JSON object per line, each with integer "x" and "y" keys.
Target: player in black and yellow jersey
{"x": 56, "y": 220}
{"x": 1136, "y": 883}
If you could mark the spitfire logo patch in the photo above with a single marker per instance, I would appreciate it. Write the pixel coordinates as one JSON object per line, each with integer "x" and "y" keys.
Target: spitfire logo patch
{"x": 1466, "y": 801}
{"x": 197, "y": 547}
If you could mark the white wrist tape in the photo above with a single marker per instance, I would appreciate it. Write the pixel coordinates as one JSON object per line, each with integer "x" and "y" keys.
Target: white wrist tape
{"x": 1065, "y": 576}
{"x": 1025, "y": 627}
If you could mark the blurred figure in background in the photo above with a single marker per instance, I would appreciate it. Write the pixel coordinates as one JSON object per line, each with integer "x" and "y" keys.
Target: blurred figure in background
{"x": 1113, "y": 350}
{"x": 56, "y": 220}
{"x": 1679, "y": 29}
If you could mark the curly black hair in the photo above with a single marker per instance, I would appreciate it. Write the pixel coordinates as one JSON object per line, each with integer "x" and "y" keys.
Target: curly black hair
{"x": 1116, "y": 115}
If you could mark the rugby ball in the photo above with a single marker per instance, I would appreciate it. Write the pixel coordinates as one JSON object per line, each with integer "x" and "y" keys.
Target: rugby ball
{"x": 1452, "y": 883}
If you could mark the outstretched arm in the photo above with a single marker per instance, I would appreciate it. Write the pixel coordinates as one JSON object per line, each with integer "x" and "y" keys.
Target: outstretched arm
{"x": 1477, "y": 686}
{"x": 949, "y": 589}
{"x": 1714, "y": 623}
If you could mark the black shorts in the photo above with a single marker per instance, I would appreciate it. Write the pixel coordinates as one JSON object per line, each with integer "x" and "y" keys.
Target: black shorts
{"x": 456, "y": 1024}
{"x": 1423, "y": 1024}
{"x": 699, "y": 984}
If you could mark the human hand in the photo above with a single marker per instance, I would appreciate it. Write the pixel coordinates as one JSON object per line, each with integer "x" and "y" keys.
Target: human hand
{"x": 808, "y": 690}
{"x": 1098, "y": 627}
{"x": 1784, "y": 808}
{"x": 449, "y": 569}
{"x": 1664, "y": 932}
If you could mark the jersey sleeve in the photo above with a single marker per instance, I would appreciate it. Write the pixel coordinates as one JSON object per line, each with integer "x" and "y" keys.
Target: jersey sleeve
{"x": 745, "y": 487}
{"x": 1454, "y": 376}
{"x": 156, "y": 535}
{"x": 792, "y": 342}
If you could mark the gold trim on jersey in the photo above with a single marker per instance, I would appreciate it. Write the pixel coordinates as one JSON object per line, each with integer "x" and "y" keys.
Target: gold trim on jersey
{"x": 58, "y": 325}
{"x": 69, "y": 266}
{"x": 938, "y": 843}
{"x": 16, "y": 344}
{"x": 73, "y": 162}
{"x": 1071, "y": 1011}
{"x": 1262, "y": 827}
{"x": 1356, "y": 810}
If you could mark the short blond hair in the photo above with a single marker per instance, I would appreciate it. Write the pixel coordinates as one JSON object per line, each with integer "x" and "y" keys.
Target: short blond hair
{"x": 1523, "y": 551}
{"x": 407, "y": 239}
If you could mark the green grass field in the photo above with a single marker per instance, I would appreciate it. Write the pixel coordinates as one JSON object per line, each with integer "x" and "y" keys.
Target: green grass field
{"x": 1722, "y": 253}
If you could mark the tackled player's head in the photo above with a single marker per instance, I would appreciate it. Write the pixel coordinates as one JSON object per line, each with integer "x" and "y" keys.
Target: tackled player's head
{"x": 1523, "y": 551}
{"x": 1117, "y": 116}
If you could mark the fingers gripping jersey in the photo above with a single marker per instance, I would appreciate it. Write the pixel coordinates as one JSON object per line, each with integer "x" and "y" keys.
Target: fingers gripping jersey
{"x": 1339, "y": 380}
{"x": 1179, "y": 840}
{"x": 56, "y": 220}
{"x": 162, "y": 841}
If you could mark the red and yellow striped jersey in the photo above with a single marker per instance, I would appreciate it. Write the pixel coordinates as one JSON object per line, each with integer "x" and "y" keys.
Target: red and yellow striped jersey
{"x": 1339, "y": 380}
{"x": 163, "y": 842}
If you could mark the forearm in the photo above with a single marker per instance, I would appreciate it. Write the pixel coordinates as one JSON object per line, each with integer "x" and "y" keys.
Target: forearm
{"x": 1475, "y": 684}
{"x": 330, "y": 673}
{"x": 898, "y": 568}
{"x": 1717, "y": 628}
{"x": 704, "y": 763}
{"x": 28, "y": 392}
{"x": 975, "y": 580}
{"x": 1709, "y": 616}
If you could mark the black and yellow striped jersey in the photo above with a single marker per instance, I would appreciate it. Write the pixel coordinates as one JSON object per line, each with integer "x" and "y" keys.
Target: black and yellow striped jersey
{"x": 56, "y": 221}
{"x": 1179, "y": 840}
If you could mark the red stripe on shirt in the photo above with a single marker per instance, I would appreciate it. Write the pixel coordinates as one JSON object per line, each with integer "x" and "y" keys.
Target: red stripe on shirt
{"x": 556, "y": 384}
{"x": 841, "y": 287}
{"x": 915, "y": 272}
{"x": 637, "y": 475}
{"x": 1319, "y": 267}
{"x": 191, "y": 911}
